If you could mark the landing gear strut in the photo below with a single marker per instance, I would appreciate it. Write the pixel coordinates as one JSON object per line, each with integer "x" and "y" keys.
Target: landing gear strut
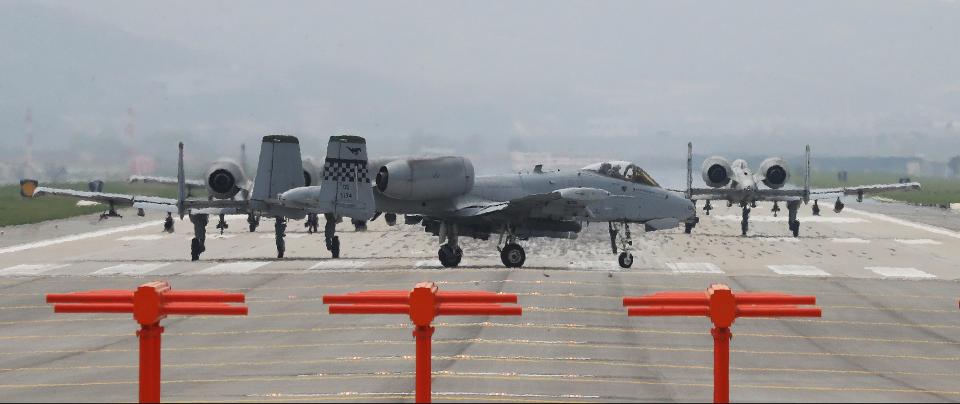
{"x": 313, "y": 223}
{"x": 168, "y": 223}
{"x": 776, "y": 208}
{"x": 745, "y": 221}
{"x": 625, "y": 243}
{"x": 816, "y": 208}
{"x": 450, "y": 254}
{"x": 838, "y": 207}
{"x": 197, "y": 246}
{"x": 707, "y": 208}
{"x": 222, "y": 225}
{"x": 792, "y": 208}
{"x": 511, "y": 254}
{"x": 253, "y": 221}
{"x": 280, "y": 229}
{"x": 329, "y": 235}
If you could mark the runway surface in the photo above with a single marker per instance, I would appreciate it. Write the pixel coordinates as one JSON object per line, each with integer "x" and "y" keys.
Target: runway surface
{"x": 888, "y": 284}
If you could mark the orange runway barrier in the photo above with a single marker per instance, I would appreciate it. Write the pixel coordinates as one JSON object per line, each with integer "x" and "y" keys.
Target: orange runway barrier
{"x": 723, "y": 307}
{"x": 150, "y": 303}
{"x": 423, "y": 304}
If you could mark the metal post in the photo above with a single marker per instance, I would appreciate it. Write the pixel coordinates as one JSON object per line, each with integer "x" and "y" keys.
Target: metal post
{"x": 424, "y": 369}
{"x": 150, "y": 362}
{"x": 721, "y": 364}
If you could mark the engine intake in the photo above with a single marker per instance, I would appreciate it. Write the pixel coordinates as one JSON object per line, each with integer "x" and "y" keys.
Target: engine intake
{"x": 716, "y": 172}
{"x": 775, "y": 172}
{"x": 426, "y": 179}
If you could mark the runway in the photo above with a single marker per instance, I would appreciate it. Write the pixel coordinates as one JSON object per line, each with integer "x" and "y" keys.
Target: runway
{"x": 887, "y": 283}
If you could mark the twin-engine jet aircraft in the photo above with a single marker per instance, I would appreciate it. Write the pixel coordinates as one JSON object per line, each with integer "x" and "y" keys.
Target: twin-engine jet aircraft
{"x": 277, "y": 191}
{"x": 450, "y": 202}
{"x": 735, "y": 183}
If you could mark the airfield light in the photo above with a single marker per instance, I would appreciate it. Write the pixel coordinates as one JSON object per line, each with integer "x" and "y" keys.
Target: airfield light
{"x": 423, "y": 304}
{"x": 149, "y": 304}
{"x": 723, "y": 307}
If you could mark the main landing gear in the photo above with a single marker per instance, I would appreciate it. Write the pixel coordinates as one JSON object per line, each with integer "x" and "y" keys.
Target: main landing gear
{"x": 112, "y": 212}
{"x": 253, "y": 221}
{"x": 624, "y": 241}
{"x": 197, "y": 246}
{"x": 168, "y": 223}
{"x": 838, "y": 207}
{"x": 776, "y": 208}
{"x": 280, "y": 231}
{"x": 450, "y": 253}
{"x": 707, "y": 208}
{"x": 329, "y": 235}
{"x": 222, "y": 225}
{"x": 745, "y": 219}
{"x": 792, "y": 208}
{"x": 816, "y": 208}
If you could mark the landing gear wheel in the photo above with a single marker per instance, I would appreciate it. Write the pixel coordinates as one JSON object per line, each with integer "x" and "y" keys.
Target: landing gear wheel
{"x": 390, "y": 218}
{"x": 449, "y": 256}
{"x": 195, "y": 249}
{"x": 168, "y": 225}
{"x": 513, "y": 256}
{"x": 688, "y": 228}
{"x": 795, "y": 227}
{"x": 626, "y": 260}
{"x": 335, "y": 247}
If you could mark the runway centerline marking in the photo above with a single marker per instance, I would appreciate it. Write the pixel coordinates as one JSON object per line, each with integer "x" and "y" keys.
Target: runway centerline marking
{"x": 145, "y": 237}
{"x": 921, "y": 241}
{"x": 694, "y": 268}
{"x": 29, "y": 269}
{"x": 130, "y": 269}
{"x": 78, "y": 237}
{"x": 897, "y": 272}
{"x": 850, "y": 241}
{"x": 338, "y": 264}
{"x": 233, "y": 267}
{"x": 798, "y": 270}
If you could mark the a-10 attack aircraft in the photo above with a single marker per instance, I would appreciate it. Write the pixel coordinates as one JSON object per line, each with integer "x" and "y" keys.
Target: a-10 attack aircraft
{"x": 735, "y": 183}
{"x": 227, "y": 178}
{"x": 443, "y": 194}
{"x": 345, "y": 190}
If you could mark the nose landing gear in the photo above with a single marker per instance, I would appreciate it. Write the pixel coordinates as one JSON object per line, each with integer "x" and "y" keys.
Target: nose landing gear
{"x": 623, "y": 242}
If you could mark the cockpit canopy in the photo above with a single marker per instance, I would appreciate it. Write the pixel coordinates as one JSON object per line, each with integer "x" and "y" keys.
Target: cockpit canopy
{"x": 623, "y": 170}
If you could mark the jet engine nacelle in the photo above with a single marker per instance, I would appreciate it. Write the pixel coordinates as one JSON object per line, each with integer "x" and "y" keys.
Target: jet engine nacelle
{"x": 716, "y": 172}
{"x": 224, "y": 179}
{"x": 426, "y": 179}
{"x": 775, "y": 172}
{"x": 312, "y": 172}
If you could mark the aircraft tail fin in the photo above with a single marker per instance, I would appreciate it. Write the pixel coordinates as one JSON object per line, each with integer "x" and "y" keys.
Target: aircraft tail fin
{"x": 181, "y": 183}
{"x": 279, "y": 169}
{"x": 806, "y": 177}
{"x": 346, "y": 181}
{"x": 689, "y": 170}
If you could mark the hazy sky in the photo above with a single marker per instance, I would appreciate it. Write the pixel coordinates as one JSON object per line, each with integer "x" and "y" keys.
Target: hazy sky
{"x": 632, "y": 78}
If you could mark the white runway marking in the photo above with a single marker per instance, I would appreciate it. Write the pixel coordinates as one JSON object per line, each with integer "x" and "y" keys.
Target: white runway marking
{"x": 218, "y": 236}
{"x": 338, "y": 264}
{"x": 597, "y": 265}
{"x": 806, "y": 219}
{"x": 233, "y": 267}
{"x": 850, "y": 241}
{"x": 922, "y": 241}
{"x": 694, "y": 268}
{"x": 893, "y": 272}
{"x": 798, "y": 270}
{"x": 932, "y": 229}
{"x": 145, "y": 237}
{"x": 130, "y": 269}
{"x": 787, "y": 239}
{"x": 289, "y": 235}
{"x": 77, "y": 237}
{"x": 29, "y": 269}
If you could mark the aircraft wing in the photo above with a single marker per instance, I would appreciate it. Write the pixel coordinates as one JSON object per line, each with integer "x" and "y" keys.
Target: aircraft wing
{"x": 165, "y": 180}
{"x": 563, "y": 203}
{"x": 151, "y": 203}
{"x": 830, "y": 193}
